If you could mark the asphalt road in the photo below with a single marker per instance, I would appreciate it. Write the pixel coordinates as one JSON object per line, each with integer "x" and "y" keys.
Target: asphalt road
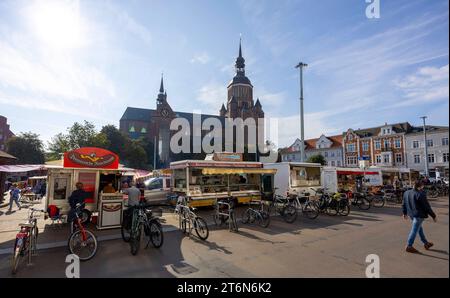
{"x": 325, "y": 247}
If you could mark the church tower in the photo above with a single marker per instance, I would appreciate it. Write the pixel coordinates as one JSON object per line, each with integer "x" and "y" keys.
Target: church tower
{"x": 240, "y": 102}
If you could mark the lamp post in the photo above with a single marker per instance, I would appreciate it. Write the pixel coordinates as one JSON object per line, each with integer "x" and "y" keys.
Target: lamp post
{"x": 426, "y": 146}
{"x": 301, "y": 65}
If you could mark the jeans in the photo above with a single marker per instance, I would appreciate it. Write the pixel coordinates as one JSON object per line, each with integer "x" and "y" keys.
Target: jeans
{"x": 13, "y": 199}
{"x": 416, "y": 227}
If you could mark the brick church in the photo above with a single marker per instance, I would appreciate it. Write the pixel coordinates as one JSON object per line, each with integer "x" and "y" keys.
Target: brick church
{"x": 154, "y": 124}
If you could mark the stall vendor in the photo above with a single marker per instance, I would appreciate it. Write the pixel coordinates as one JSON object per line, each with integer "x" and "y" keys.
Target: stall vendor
{"x": 109, "y": 188}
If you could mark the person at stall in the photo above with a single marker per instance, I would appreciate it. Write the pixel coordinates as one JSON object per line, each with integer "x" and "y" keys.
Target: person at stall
{"x": 416, "y": 207}
{"x": 109, "y": 188}
{"x": 134, "y": 196}
{"x": 77, "y": 197}
{"x": 242, "y": 180}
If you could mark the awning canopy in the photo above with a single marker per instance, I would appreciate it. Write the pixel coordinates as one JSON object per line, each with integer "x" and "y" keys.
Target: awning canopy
{"x": 225, "y": 171}
{"x": 21, "y": 168}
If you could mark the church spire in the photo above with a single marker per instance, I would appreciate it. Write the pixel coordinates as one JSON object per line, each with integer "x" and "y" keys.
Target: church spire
{"x": 240, "y": 61}
{"x": 240, "y": 47}
{"x": 161, "y": 87}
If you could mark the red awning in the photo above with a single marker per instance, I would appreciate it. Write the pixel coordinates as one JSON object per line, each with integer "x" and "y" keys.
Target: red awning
{"x": 21, "y": 168}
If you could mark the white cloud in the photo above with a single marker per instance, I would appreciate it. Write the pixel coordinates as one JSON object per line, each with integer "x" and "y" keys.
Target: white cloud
{"x": 201, "y": 58}
{"x": 212, "y": 96}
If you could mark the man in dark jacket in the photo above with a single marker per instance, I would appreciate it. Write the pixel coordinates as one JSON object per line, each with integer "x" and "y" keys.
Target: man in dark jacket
{"x": 417, "y": 207}
{"x": 77, "y": 197}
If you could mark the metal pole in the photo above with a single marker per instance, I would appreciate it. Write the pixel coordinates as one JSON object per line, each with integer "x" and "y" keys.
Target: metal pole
{"x": 301, "y": 65}
{"x": 154, "y": 153}
{"x": 426, "y": 146}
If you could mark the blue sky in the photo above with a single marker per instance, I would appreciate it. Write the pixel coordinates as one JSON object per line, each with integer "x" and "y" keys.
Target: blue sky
{"x": 65, "y": 61}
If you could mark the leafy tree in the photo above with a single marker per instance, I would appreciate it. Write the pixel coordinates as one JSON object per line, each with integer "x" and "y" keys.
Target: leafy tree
{"x": 317, "y": 158}
{"x": 135, "y": 155}
{"x": 27, "y": 147}
{"x": 58, "y": 145}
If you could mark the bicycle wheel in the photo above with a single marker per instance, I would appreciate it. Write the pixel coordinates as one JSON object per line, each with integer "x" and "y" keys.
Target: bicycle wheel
{"x": 135, "y": 240}
{"x": 246, "y": 217}
{"x": 183, "y": 222}
{"x": 126, "y": 232}
{"x": 201, "y": 228}
{"x": 264, "y": 219}
{"x": 18, "y": 247}
{"x": 310, "y": 210}
{"x": 432, "y": 194}
{"x": 377, "y": 201}
{"x": 344, "y": 208}
{"x": 156, "y": 234}
{"x": 86, "y": 248}
{"x": 289, "y": 213}
{"x": 333, "y": 208}
{"x": 364, "y": 204}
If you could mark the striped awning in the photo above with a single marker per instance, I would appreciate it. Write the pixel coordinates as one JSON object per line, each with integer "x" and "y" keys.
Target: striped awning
{"x": 227, "y": 171}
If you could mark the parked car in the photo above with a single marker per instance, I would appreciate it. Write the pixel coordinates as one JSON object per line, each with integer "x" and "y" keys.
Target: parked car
{"x": 157, "y": 189}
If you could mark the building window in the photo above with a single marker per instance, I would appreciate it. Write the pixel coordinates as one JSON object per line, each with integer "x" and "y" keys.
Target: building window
{"x": 430, "y": 143}
{"x": 386, "y": 158}
{"x": 365, "y": 146}
{"x": 338, "y": 163}
{"x": 352, "y": 160}
{"x": 378, "y": 144}
{"x": 333, "y": 163}
{"x": 398, "y": 158}
{"x": 415, "y": 144}
{"x": 416, "y": 158}
{"x": 431, "y": 158}
{"x": 350, "y": 137}
{"x": 445, "y": 157}
{"x": 387, "y": 144}
{"x": 378, "y": 158}
{"x": 132, "y": 129}
{"x": 397, "y": 143}
{"x": 351, "y": 148}
{"x": 325, "y": 154}
{"x": 143, "y": 130}
{"x": 444, "y": 141}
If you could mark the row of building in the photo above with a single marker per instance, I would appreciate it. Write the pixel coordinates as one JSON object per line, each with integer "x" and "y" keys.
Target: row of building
{"x": 398, "y": 145}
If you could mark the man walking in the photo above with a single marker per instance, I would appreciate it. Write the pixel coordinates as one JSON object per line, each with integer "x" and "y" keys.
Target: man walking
{"x": 417, "y": 207}
{"x": 14, "y": 195}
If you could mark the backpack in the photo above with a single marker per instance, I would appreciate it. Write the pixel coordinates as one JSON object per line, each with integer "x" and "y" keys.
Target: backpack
{"x": 53, "y": 211}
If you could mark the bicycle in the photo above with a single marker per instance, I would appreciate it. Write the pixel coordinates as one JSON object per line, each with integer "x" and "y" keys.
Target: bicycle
{"x": 142, "y": 218}
{"x": 259, "y": 215}
{"x": 304, "y": 204}
{"x": 26, "y": 239}
{"x": 224, "y": 212}
{"x": 82, "y": 242}
{"x": 358, "y": 199}
{"x": 188, "y": 220}
{"x": 282, "y": 206}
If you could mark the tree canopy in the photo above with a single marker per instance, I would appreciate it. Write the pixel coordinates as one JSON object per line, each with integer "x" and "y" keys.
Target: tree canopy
{"x": 317, "y": 158}
{"x": 27, "y": 147}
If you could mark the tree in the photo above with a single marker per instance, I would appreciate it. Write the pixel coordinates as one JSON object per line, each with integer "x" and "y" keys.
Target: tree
{"x": 317, "y": 158}
{"x": 135, "y": 155}
{"x": 27, "y": 147}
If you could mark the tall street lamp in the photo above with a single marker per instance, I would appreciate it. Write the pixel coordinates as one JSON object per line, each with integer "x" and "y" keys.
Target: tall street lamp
{"x": 301, "y": 65}
{"x": 426, "y": 145}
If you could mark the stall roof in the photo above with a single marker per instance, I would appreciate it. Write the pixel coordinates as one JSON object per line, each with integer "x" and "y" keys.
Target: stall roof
{"x": 6, "y": 155}
{"x": 212, "y": 164}
{"x": 296, "y": 164}
{"x": 21, "y": 168}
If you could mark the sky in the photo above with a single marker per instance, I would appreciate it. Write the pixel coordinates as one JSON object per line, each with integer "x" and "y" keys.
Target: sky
{"x": 72, "y": 60}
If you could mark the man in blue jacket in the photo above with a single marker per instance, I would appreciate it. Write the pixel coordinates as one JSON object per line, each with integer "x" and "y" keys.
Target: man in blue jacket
{"x": 417, "y": 207}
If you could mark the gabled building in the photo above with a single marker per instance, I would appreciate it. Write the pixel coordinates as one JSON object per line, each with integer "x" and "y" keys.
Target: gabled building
{"x": 382, "y": 146}
{"x": 329, "y": 147}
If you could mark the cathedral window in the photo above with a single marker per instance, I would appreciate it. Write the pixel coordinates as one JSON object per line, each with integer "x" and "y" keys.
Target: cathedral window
{"x": 132, "y": 129}
{"x": 143, "y": 130}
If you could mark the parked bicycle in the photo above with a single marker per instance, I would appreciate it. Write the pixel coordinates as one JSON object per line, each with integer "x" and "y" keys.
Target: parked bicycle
{"x": 141, "y": 219}
{"x": 82, "y": 242}
{"x": 358, "y": 199}
{"x": 26, "y": 240}
{"x": 305, "y": 204}
{"x": 224, "y": 213}
{"x": 280, "y": 205}
{"x": 188, "y": 220}
{"x": 258, "y": 214}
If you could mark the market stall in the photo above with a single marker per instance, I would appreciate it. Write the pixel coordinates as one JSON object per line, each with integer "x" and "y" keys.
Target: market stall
{"x": 295, "y": 177}
{"x": 204, "y": 181}
{"x": 393, "y": 175}
{"x": 335, "y": 179}
{"x": 102, "y": 179}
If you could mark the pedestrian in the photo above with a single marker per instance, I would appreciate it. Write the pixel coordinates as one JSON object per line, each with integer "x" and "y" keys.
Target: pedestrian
{"x": 14, "y": 196}
{"x": 416, "y": 206}
{"x": 134, "y": 197}
{"x": 77, "y": 197}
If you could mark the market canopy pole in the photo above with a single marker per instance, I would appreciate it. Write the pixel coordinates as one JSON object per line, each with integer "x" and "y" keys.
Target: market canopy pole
{"x": 425, "y": 145}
